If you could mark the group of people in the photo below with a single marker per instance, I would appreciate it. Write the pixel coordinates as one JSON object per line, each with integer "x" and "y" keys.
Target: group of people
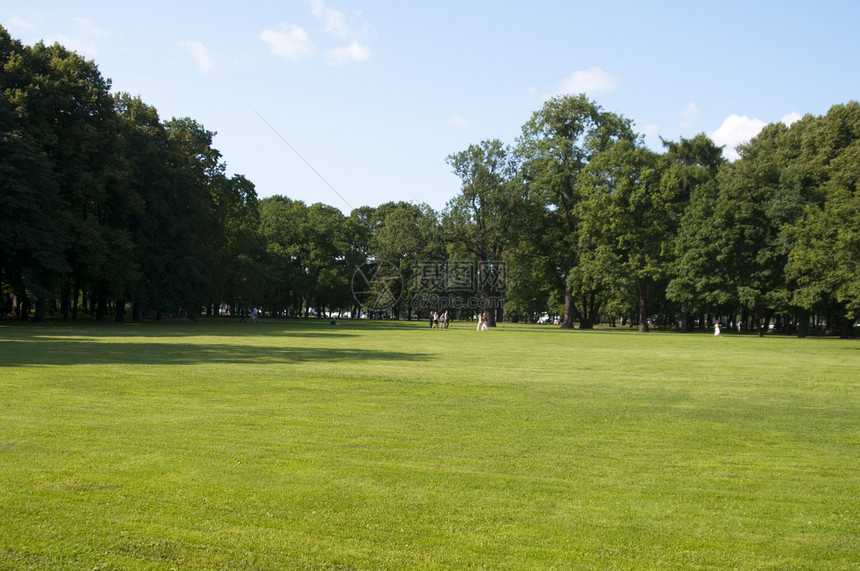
{"x": 252, "y": 316}
{"x": 718, "y": 324}
{"x": 438, "y": 321}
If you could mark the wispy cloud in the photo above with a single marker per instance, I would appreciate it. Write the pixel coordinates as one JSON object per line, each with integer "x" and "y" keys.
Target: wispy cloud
{"x": 651, "y": 130}
{"x": 290, "y": 42}
{"x": 92, "y": 31}
{"x": 690, "y": 113}
{"x": 590, "y": 81}
{"x": 85, "y": 39}
{"x": 459, "y": 122}
{"x": 337, "y": 24}
{"x": 201, "y": 55}
{"x": 334, "y": 20}
{"x": 19, "y": 23}
{"x": 353, "y": 53}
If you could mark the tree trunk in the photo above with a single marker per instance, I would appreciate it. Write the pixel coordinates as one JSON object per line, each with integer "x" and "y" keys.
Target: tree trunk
{"x": 65, "y": 301}
{"x": 101, "y": 302}
{"x": 803, "y": 324}
{"x": 567, "y": 320}
{"x": 643, "y": 307}
{"x": 845, "y": 326}
{"x": 39, "y": 312}
{"x": 686, "y": 322}
{"x": 76, "y": 288}
{"x": 590, "y": 309}
{"x": 23, "y": 308}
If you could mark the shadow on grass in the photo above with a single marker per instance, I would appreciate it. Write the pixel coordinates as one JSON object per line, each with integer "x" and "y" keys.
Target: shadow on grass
{"x": 210, "y": 327}
{"x": 84, "y": 352}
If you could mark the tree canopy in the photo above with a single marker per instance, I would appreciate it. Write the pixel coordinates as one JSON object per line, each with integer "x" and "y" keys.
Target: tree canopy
{"x": 110, "y": 211}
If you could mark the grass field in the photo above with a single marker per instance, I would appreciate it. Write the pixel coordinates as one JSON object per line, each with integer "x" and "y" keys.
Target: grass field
{"x": 295, "y": 444}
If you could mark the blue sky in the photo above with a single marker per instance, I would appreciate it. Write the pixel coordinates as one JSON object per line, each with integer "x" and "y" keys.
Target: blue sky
{"x": 374, "y": 95}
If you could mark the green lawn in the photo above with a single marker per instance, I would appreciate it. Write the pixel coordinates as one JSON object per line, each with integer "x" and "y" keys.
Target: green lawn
{"x": 295, "y": 444}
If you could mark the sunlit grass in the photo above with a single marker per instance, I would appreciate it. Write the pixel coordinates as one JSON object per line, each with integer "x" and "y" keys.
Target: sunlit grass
{"x": 389, "y": 445}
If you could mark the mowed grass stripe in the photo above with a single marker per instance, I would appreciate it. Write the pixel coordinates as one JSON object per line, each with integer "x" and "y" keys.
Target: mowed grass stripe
{"x": 390, "y": 445}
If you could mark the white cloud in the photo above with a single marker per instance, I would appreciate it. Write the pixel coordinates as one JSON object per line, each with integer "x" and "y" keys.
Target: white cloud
{"x": 590, "y": 81}
{"x": 294, "y": 44}
{"x": 291, "y": 42}
{"x": 199, "y": 52}
{"x": 734, "y": 131}
{"x": 353, "y": 53}
{"x": 459, "y": 122}
{"x": 790, "y": 118}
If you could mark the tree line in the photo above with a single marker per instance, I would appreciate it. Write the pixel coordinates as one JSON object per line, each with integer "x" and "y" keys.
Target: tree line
{"x": 108, "y": 211}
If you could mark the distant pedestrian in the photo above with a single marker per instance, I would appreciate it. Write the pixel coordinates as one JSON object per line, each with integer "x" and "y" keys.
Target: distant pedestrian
{"x": 717, "y": 329}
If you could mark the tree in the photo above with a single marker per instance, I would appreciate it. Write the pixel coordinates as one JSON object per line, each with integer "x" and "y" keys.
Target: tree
{"x": 626, "y": 223}
{"x": 313, "y": 252}
{"x": 481, "y": 218}
{"x": 404, "y": 235}
{"x": 200, "y": 205}
{"x": 733, "y": 245}
{"x": 63, "y": 104}
{"x": 164, "y": 230}
{"x": 287, "y": 283}
{"x": 32, "y": 245}
{"x": 556, "y": 144}
{"x": 244, "y": 248}
{"x": 533, "y": 281}
{"x": 826, "y": 253}
{"x": 691, "y": 167}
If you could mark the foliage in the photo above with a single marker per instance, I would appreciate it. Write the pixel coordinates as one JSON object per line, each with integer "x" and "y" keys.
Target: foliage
{"x": 481, "y": 219}
{"x": 826, "y": 255}
{"x": 556, "y": 144}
